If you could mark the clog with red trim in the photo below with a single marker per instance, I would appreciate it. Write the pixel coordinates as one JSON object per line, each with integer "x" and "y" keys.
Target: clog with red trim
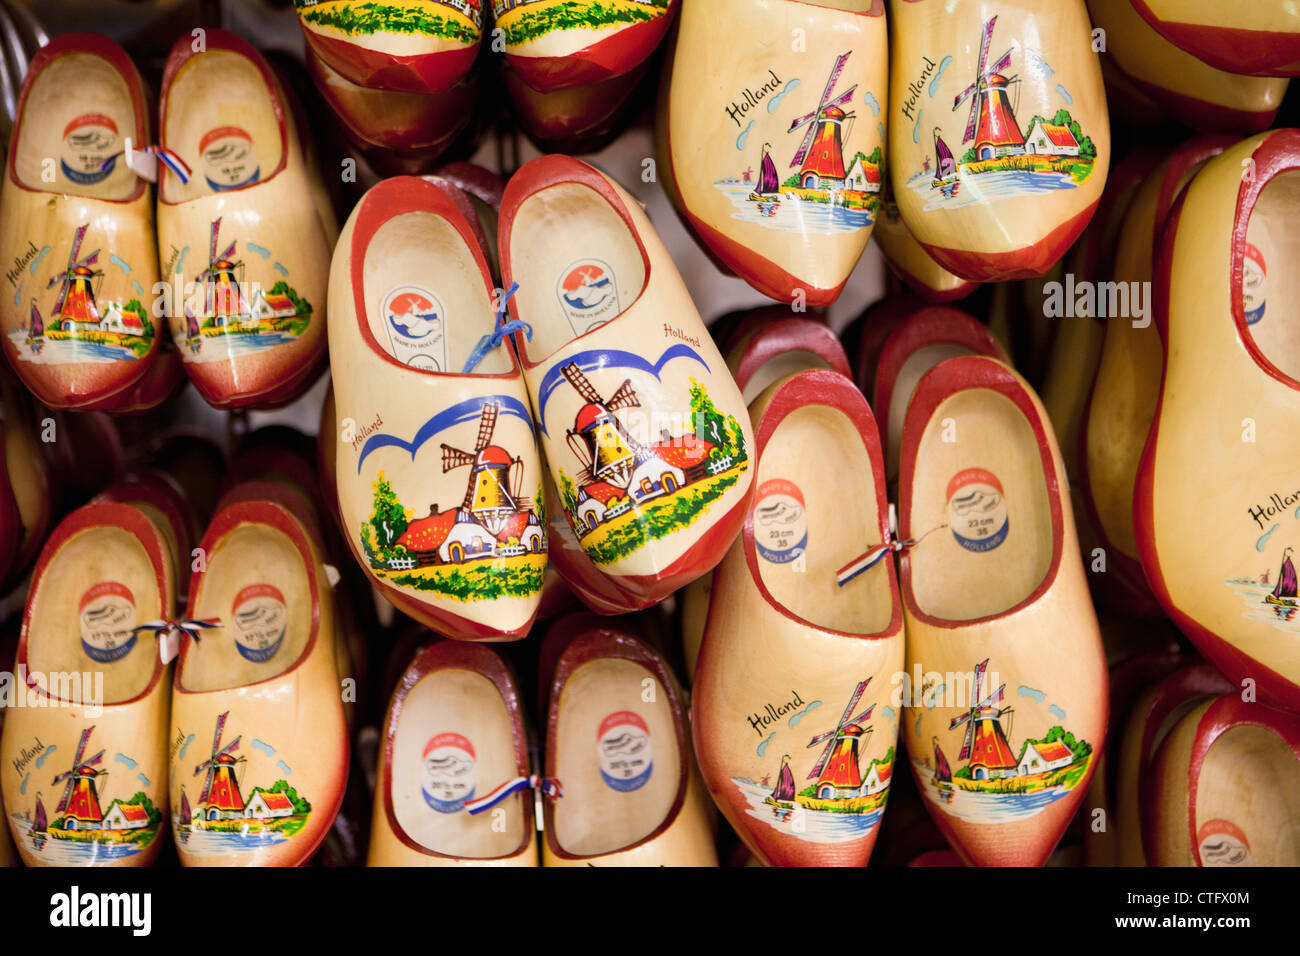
{"x": 1225, "y": 788}
{"x": 261, "y": 755}
{"x": 439, "y": 478}
{"x": 454, "y": 786}
{"x": 999, "y": 139}
{"x": 575, "y": 119}
{"x": 643, "y": 428}
{"x": 620, "y": 784}
{"x": 772, "y": 150}
{"x": 1264, "y": 37}
{"x": 245, "y": 250}
{"x": 409, "y": 46}
{"x": 78, "y": 233}
{"x": 85, "y": 756}
{"x": 792, "y": 700}
{"x": 1218, "y": 546}
{"x": 867, "y": 334}
{"x": 908, "y": 259}
{"x": 990, "y": 564}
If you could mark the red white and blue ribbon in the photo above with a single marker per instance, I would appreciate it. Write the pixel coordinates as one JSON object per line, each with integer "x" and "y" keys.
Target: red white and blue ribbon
{"x": 873, "y": 555}
{"x": 547, "y": 785}
{"x": 162, "y": 154}
{"x": 503, "y": 328}
{"x": 169, "y": 633}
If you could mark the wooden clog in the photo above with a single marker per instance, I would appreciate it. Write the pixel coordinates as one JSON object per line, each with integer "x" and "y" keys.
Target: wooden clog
{"x": 654, "y": 471}
{"x": 195, "y": 462}
{"x": 927, "y": 338}
{"x": 773, "y": 149}
{"x": 1191, "y": 91}
{"x": 792, "y": 694}
{"x": 575, "y": 119}
{"x": 11, "y": 518}
{"x": 999, "y": 142}
{"x": 1225, "y": 788}
{"x": 243, "y": 245}
{"x": 618, "y": 754}
{"x": 1229, "y": 401}
{"x": 165, "y": 376}
{"x": 867, "y": 334}
{"x": 259, "y": 689}
{"x": 410, "y": 46}
{"x": 557, "y": 44}
{"x": 990, "y": 564}
{"x": 161, "y": 501}
{"x": 439, "y": 478}
{"x": 78, "y": 235}
{"x": 1264, "y": 37}
{"x": 908, "y": 259}
{"x": 454, "y": 788}
{"x": 85, "y": 761}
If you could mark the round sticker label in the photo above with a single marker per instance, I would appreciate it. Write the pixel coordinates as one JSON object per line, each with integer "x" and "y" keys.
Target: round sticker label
{"x": 415, "y": 320}
{"x": 1222, "y": 843}
{"x": 447, "y": 778}
{"x": 587, "y": 294}
{"x": 107, "y": 613}
{"x": 260, "y": 621}
{"x": 780, "y": 521}
{"x": 229, "y": 160}
{"x": 90, "y": 149}
{"x": 1254, "y": 285}
{"x": 623, "y": 751}
{"x": 977, "y": 510}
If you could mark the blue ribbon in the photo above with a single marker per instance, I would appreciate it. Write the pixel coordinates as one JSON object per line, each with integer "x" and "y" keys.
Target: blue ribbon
{"x": 503, "y": 329}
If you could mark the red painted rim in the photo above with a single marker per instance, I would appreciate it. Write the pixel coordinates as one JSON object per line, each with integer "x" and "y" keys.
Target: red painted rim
{"x": 158, "y": 489}
{"x": 435, "y": 72}
{"x": 786, "y": 335}
{"x": 1232, "y": 49}
{"x": 1027, "y": 263}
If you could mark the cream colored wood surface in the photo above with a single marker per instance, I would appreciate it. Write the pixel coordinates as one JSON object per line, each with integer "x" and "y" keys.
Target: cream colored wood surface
{"x": 900, "y": 247}
{"x": 909, "y": 373}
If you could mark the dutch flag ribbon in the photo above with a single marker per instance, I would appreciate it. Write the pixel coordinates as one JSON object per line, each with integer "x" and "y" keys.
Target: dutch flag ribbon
{"x": 548, "y": 785}
{"x": 162, "y": 154}
{"x": 873, "y": 555}
{"x": 169, "y": 633}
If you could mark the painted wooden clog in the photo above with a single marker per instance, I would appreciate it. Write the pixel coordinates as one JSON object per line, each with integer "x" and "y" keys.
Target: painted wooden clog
{"x": 165, "y": 376}
{"x": 439, "y": 478}
{"x": 908, "y": 259}
{"x": 1188, "y": 89}
{"x": 557, "y": 44}
{"x": 1264, "y": 37}
{"x": 618, "y": 754}
{"x": 575, "y": 119}
{"x": 644, "y": 430}
{"x": 85, "y": 761}
{"x": 409, "y": 46}
{"x": 455, "y": 787}
{"x": 1122, "y": 398}
{"x": 243, "y": 246}
{"x": 927, "y": 338}
{"x": 1225, "y": 788}
{"x": 195, "y": 462}
{"x": 788, "y": 632}
{"x": 773, "y": 149}
{"x": 991, "y": 564}
{"x": 1230, "y": 401}
{"x": 999, "y": 142}
{"x": 260, "y": 746}
{"x": 78, "y": 234}
{"x": 1144, "y": 728}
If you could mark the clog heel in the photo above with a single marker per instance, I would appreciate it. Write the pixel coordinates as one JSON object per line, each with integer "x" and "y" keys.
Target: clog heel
{"x": 85, "y": 775}
{"x": 78, "y": 227}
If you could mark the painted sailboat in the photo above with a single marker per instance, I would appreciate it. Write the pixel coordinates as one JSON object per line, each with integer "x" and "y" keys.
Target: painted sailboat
{"x": 945, "y": 174}
{"x": 192, "y": 336}
{"x": 1284, "y": 593}
{"x": 40, "y": 825}
{"x": 768, "y": 191}
{"x": 187, "y": 814}
{"x": 782, "y": 797}
{"x": 942, "y": 772}
{"x": 36, "y": 329}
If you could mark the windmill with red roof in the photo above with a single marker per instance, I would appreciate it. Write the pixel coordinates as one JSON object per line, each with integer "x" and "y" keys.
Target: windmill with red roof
{"x": 221, "y": 798}
{"x": 992, "y": 124}
{"x": 837, "y": 771}
{"x": 820, "y": 158}
{"x": 76, "y": 298}
{"x": 80, "y": 800}
{"x": 223, "y": 298}
{"x": 985, "y": 746}
{"x": 493, "y": 495}
{"x": 598, "y": 440}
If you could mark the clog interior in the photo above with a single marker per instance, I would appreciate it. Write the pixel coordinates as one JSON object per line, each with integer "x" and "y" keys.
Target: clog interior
{"x": 255, "y": 623}
{"x": 453, "y": 742}
{"x": 229, "y": 140}
{"x": 98, "y": 587}
{"x": 978, "y": 432}
{"x": 165, "y": 529}
{"x": 577, "y": 264}
{"x": 817, "y": 449}
{"x": 1249, "y": 793}
{"x": 1274, "y": 286}
{"x": 600, "y": 812}
{"x": 79, "y": 113}
{"x": 777, "y": 368}
{"x": 419, "y": 261}
{"x": 910, "y": 372}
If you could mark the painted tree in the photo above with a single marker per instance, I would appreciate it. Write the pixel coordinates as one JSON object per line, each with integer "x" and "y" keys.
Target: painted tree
{"x": 736, "y": 439}
{"x": 568, "y": 493}
{"x": 388, "y": 519}
{"x": 710, "y": 426}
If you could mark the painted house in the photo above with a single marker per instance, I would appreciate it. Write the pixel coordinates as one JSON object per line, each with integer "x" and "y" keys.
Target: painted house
{"x": 126, "y": 816}
{"x": 864, "y": 176}
{"x": 524, "y": 527}
{"x": 1048, "y": 139}
{"x": 266, "y": 805}
{"x": 653, "y": 477}
{"x": 274, "y": 306}
{"x": 877, "y": 778}
{"x": 456, "y": 536}
{"x": 1040, "y": 758}
{"x": 595, "y": 502}
{"x": 115, "y": 320}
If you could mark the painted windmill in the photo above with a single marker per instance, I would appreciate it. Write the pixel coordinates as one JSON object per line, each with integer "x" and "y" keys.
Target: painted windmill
{"x": 837, "y": 772}
{"x": 821, "y": 155}
{"x": 80, "y": 800}
{"x": 76, "y": 299}
{"x": 222, "y": 299}
{"x": 597, "y": 438}
{"x": 220, "y": 796}
{"x": 493, "y": 493}
{"x": 992, "y": 124}
{"x": 985, "y": 745}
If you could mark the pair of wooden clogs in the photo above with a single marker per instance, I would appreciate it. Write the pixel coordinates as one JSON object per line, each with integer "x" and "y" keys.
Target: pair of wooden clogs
{"x": 618, "y": 785}
{"x": 101, "y": 308}
{"x": 443, "y": 386}
{"x": 241, "y": 754}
